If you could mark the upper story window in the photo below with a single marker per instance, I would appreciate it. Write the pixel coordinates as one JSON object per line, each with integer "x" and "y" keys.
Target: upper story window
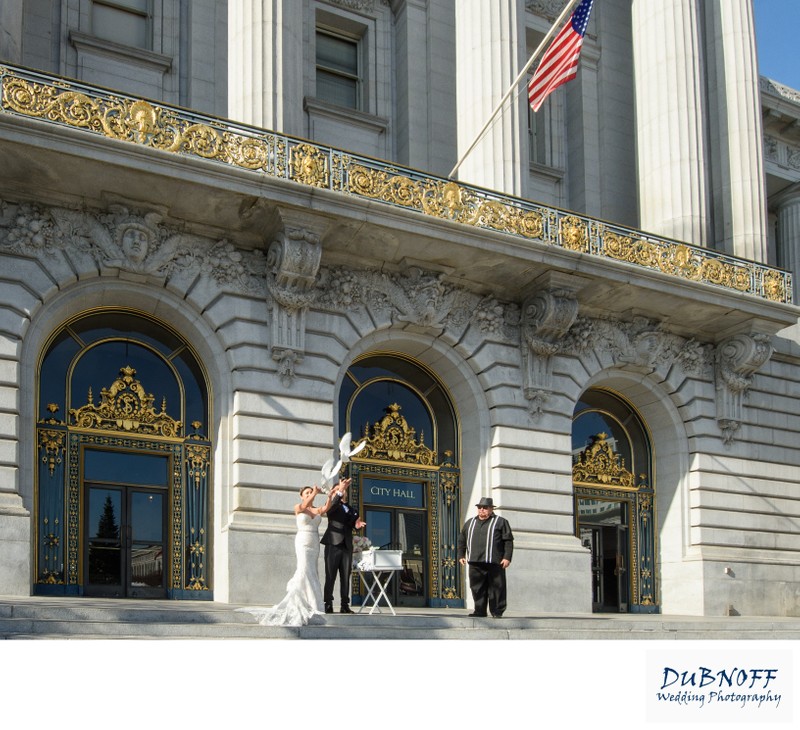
{"x": 338, "y": 70}
{"x": 545, "y": 142}
{"x": 123, "y": 21}
{"x": 537, "y": 138}
{"x": 547, "y": 127}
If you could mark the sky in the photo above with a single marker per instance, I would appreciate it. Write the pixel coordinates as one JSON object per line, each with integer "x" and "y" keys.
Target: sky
{"x": 777, "y": 28}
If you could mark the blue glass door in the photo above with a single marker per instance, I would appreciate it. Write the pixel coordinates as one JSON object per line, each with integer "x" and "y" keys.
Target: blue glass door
{"x": 125, "y": 526}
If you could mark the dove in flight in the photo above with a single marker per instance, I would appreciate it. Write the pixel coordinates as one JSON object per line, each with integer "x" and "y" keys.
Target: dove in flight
{"x": 330, "y": 474}
{"x": 345, "y": 452}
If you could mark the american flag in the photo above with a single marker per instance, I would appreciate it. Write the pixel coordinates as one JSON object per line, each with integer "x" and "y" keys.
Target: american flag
{"x": 560, "y": 61}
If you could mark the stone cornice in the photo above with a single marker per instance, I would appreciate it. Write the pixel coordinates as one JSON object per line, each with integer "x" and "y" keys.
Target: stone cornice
{"x": 779, "y": 91}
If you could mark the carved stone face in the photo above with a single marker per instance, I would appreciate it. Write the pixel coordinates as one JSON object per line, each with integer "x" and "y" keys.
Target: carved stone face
{"x": 135, "y": 244}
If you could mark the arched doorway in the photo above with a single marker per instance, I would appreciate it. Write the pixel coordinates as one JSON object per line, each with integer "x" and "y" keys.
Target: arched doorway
{"x": 406, "y": 482}
{"x": 122, "y": 485}
{"x": 614, "y": 488}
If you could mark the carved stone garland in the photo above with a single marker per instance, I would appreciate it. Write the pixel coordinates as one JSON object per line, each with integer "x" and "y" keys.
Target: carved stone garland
{"x": 141, "y": 244}
{"x": 135, "y": 242}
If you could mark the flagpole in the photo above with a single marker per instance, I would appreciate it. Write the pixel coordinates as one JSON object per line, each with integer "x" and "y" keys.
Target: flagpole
{"x": 570, "y": 5}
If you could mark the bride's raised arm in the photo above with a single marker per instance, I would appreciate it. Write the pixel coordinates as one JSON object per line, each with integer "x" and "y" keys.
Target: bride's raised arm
{"x": 306, "y": 499}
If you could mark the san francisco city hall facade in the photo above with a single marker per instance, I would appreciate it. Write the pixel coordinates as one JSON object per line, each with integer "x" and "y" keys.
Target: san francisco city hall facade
{"x": 229, "y": 235}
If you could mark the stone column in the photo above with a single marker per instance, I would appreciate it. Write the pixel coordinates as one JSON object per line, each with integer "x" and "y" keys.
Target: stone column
{"x": 265, "y": 70}
{"x": 670, "y": 124}
{"x": 788, "y": 244}
{"x": 734, "y": 98}
{"x": 490, "y": 52}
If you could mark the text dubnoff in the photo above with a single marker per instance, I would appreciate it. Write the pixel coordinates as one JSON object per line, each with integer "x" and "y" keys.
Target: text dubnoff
{"x": 737, "y": 685}
{"x": 724, "y": 688}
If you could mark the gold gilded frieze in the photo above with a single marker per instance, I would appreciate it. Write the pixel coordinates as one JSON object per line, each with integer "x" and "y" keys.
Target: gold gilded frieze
{"x": 54, "y": 100}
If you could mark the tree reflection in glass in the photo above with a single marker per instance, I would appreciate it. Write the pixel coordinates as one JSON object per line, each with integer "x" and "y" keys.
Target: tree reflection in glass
{"x": 104, "y": 546}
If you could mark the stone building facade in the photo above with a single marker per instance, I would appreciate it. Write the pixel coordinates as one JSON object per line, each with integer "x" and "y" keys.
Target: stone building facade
{"x": 229, "y": 235}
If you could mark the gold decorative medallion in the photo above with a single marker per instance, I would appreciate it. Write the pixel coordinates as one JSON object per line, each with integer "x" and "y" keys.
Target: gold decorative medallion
{"x": 125, "y": 406}
{"x": 598, "y": 464}
{"x": 392, "y": 439}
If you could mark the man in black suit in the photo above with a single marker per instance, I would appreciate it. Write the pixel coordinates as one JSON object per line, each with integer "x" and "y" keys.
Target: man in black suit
{"x": 486, "y": 544}
{"x": 338, "y": 541}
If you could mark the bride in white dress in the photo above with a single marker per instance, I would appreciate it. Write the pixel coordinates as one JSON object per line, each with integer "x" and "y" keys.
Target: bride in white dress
{"x": 302, "y": 603}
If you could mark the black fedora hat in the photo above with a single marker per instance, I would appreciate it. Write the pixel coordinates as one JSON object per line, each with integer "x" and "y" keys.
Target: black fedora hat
{"x": 485, "y": 502}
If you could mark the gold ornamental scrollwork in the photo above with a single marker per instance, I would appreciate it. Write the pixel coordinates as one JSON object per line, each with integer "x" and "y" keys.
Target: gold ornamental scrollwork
{"x": 125, "y": 406}
{"x": 634, "y": 251}
{"x": 446, "y": 200}
{"x": 140, "y": 122}
{"x": 449, "y": 484}
{"x": 197, "y": 552}
{"x": 393, "y": 439}
{"x": 598, "y": 464}
{"x": 678, "y": 259}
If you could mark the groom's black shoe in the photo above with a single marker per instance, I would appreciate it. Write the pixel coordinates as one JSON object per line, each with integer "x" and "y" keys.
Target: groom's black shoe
{"x": 345, "y": 609}
{"x": 328, "y": 608}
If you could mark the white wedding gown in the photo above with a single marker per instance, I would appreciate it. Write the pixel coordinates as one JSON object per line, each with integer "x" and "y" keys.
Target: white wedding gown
{"x": 302, "y": 603}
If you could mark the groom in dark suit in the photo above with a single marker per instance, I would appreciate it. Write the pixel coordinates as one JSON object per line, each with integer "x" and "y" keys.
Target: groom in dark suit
{"x": 338, "y": 541}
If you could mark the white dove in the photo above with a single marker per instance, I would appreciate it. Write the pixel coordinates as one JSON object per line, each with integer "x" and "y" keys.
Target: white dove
{"x": 330, "y": 474}
{"x": 345, "y": 452}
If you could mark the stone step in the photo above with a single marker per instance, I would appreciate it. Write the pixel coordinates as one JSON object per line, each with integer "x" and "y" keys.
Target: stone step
{"x": 33, "y": 617}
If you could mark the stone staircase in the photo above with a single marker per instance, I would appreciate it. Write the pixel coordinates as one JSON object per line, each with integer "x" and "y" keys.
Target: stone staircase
{"x": 86, "y": 618}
